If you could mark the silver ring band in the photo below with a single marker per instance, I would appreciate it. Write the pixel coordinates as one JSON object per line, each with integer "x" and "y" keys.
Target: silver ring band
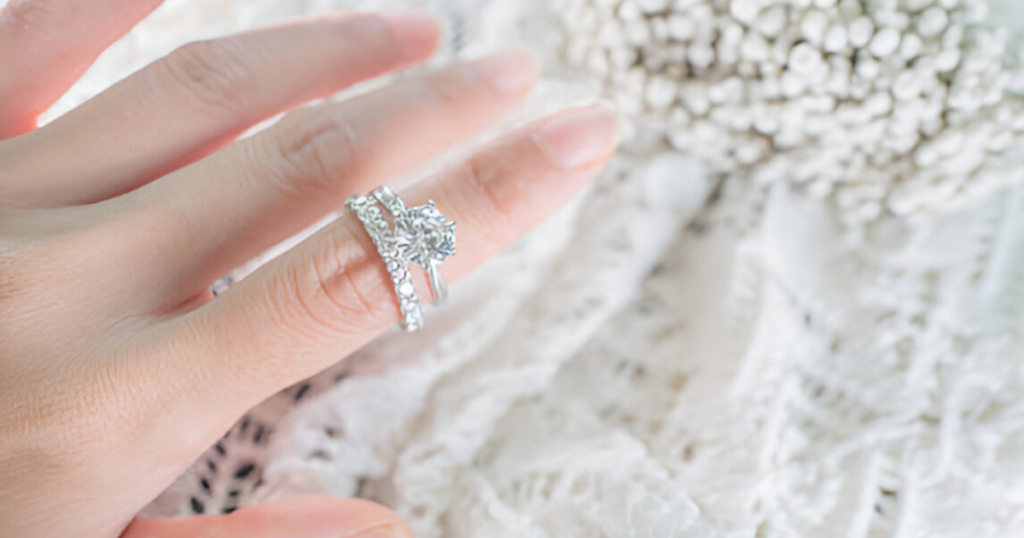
{"x": 406, "y": 225}
{"x": 437, "y": 284}
{"x": 377, "y": 228}
{"x": 389, "y": 200}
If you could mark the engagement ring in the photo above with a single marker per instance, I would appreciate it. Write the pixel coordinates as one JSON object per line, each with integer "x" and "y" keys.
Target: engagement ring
{"x": 424, "y": 236}
{"x": 420, "y": 235}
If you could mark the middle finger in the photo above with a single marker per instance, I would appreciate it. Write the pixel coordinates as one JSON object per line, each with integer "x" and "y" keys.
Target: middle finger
{"x": 199, "y": 98}
{"x": 202, "y": 221}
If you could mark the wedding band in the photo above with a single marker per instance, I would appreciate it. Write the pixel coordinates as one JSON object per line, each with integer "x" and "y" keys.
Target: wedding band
{"x": 424, "y": 236}
{"x": 377, "y": 227}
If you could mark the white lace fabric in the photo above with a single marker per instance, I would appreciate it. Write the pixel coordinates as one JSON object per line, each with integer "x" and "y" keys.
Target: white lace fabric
{"x": 683, "y": 352}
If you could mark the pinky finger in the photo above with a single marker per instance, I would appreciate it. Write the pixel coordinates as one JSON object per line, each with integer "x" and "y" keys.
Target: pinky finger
{"x": 331, "y": 294}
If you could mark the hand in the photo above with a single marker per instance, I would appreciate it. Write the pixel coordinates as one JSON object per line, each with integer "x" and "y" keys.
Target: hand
{"x": 118, "y": 367}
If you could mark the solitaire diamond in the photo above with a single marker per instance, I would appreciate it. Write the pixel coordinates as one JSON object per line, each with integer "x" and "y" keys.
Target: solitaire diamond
{"x": 425, "y": 236}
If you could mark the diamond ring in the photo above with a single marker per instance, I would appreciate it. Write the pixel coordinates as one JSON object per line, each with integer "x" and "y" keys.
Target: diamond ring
{"x": 423, "y": 236}
{"x": 377, "y": 228}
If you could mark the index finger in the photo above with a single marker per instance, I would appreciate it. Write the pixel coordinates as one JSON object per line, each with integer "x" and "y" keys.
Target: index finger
{"x": 46, "y": 45}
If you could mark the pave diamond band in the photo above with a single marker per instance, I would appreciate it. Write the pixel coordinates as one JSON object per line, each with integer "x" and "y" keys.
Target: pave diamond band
{"x": 420, "y": 235}
{"x": 377, "y": 228}
{"x": 389, "y": 200}
{"x": 424, "y": 236}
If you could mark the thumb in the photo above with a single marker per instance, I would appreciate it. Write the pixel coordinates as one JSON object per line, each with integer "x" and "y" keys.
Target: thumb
{"x": 309, "y": 517}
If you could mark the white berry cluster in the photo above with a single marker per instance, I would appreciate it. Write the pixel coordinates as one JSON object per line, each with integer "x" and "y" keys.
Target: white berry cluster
{"x": 883, "y": 105}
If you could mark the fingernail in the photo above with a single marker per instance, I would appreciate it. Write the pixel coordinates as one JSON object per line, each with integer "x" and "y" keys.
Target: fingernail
{"x": 416, "y": 33}
{"x": 578, "y": 137}
{"x": 511, "y": 72}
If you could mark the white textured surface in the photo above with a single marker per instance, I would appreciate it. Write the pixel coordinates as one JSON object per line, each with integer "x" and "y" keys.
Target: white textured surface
{"x": 650, "y": 365}
{"x": 883, "y": 106}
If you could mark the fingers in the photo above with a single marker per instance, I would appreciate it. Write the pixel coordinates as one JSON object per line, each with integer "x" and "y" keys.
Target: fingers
{"x": 45, "y": 45}
{"x": 309, "y": 517}
{"x": 264, "y": 189}
{"x": 331, "y": 294}
{"x": 198, "y": 99}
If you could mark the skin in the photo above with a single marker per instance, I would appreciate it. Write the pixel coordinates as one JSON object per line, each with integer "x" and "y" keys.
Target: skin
{"x": 118, "y": 368}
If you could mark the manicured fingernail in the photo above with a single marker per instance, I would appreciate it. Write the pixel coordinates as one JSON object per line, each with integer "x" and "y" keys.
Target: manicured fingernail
{"x": 578, "y": 137}
{"x": 416, "y": 33}
{"x": 511, "y": 72}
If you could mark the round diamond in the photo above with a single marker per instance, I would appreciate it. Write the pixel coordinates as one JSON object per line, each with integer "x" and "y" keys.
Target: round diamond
{"x": 424, "y": 235}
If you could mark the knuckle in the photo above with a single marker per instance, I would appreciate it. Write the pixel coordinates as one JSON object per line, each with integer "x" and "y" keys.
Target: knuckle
{"x": 346, "y": 296}
{"x": 370, "y": 34}
{"x": 322, "y": 293}
{"x": 490, "y": 212}
{"x": 216, "y": 72}
{"x": 288, "y": 298}
{"x": 353, "y": 299}
{"x": 311, "y": 157}
{"x": 448, "y": 87}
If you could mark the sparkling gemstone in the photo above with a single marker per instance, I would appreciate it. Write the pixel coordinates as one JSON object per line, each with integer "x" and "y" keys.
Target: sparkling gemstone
{"x": 424, "y": 235}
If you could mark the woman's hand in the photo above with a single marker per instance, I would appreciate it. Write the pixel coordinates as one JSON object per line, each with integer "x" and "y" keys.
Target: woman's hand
{"x": 117, "y": 366}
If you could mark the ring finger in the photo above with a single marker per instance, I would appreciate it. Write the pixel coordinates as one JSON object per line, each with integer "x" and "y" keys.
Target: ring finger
{"x": 331, "y": 294}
